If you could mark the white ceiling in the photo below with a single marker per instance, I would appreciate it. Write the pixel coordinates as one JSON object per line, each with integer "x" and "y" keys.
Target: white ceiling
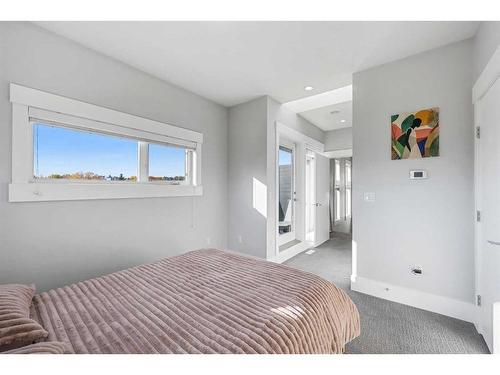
{"x": 232, "y": 62}
{"x": 326, "y": 120}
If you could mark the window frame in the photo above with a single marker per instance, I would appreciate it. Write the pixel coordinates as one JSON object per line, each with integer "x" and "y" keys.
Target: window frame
{"x": 30, "y": 105}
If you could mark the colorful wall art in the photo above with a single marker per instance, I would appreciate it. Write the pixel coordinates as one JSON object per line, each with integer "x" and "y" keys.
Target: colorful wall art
{"x": 415, "y": 135}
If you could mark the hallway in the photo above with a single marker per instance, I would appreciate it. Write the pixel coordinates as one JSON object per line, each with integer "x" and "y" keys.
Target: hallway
{"x": 388, "y": 327}
{"x": 331, "y": 260}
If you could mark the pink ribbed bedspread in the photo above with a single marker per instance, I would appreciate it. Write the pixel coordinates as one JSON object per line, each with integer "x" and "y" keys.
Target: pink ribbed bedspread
{"x": 204, "y": 301}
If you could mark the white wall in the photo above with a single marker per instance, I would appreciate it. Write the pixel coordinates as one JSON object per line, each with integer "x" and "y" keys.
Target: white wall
{"x": 55, "y": 243}
{"x": 247, "y": 161}
{"x": 338, "y": 139}
{"x": 430, "y": 222}
{"x": 486, "y": 42}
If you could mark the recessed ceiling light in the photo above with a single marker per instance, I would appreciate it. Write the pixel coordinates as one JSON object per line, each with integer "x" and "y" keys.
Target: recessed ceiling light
{"x": 342, "y": 121}
{"x": 308, "y": 88}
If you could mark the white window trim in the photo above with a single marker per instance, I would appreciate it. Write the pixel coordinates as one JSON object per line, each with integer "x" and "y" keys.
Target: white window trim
{"x": 30, "y": 103}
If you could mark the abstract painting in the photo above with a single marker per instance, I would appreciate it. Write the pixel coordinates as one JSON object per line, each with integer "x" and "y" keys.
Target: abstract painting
{"x": 415, "y": 135}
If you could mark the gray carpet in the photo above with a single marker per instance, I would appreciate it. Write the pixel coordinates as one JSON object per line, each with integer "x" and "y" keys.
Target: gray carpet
{"x": 389, "y": 327}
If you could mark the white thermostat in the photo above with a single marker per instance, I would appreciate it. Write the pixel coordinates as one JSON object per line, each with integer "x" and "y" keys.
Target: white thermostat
{"x": 418, "y": 174}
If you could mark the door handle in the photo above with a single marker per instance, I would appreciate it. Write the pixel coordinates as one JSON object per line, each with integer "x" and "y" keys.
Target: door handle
{"x": 317, "y": 204}
{"x": 496, "y": 243}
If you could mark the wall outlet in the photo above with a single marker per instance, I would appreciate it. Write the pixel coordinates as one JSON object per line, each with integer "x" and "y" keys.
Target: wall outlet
{"x": 209, "y": 240}
{"x": 240, "y": 238}
{"x": 418, "y": 174}
{"x": 416, "y": 270}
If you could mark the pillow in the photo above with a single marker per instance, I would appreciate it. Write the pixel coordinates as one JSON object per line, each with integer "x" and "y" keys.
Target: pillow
{"x": 50, "y": 347}
{"x": 16, "y": 327}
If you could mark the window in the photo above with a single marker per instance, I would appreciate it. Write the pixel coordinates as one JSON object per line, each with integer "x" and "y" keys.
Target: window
{"x": 168, "y": 164}
{"x": 348, "y": 188}
{"x": 62, "y": 153}
{"x": 64, "y": 149}
{"x": 337, "y": 189}
{"x": 337, "y": 172}
{"x": 67, "y": 154}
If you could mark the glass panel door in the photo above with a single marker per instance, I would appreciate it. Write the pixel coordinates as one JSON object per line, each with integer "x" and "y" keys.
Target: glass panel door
{"x": 286, "y": 189}
{"x": 310, "y": 196}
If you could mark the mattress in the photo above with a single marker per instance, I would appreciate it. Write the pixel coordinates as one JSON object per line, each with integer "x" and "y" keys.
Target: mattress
{"x": 204, "y": 301}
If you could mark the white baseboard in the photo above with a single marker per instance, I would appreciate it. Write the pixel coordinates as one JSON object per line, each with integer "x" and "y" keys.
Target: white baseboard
{"x": 290, "y": 252}
{"x": 411, "y": 297}
{"x": 320, "y": 242}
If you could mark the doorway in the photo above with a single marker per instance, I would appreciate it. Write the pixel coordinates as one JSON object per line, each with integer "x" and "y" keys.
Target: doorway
{"x": 301, "y": 194}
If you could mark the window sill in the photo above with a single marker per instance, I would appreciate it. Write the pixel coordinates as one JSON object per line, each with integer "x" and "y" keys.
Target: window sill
{"x": 42, "y": 192}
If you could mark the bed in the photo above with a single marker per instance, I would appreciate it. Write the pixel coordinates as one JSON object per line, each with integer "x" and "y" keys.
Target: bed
{"x": 204, "y": 301}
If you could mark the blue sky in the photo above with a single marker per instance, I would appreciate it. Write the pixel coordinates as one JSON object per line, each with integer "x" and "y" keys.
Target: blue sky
{"x": 285, "y": 157}
{"x": 166, "y": 161}
{"x": 60, "y": 150}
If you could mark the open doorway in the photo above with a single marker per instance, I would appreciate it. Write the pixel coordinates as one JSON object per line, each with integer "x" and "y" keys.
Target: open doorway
{"x": 328, "y": 205}
{"x": 333, "y": 258}
{"x": 302, "y": 193}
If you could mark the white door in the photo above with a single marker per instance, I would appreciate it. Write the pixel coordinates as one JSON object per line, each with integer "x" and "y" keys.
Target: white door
{"x": 310, "y": 197}
{"x": 322, "y": 232}
{"x": 488, "y": 199}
